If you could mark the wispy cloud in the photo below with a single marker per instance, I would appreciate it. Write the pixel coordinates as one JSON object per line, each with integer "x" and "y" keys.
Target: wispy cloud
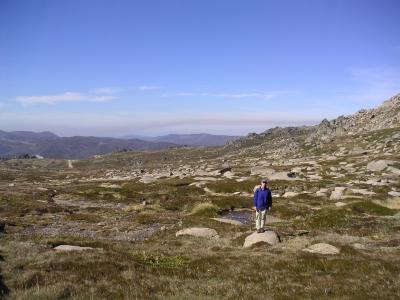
{"x": 185, "y": 94}
{"x": 105, "y": 90}
{"x": 50, "y": 99}
{"x": 63, "y": 97}
{"x": 242, "y": 95}
{"x": 373, "y": 85}
{"x": 149, "y": 87}
{"x": 238, "y": 95}
{"x": 101, "y": 98}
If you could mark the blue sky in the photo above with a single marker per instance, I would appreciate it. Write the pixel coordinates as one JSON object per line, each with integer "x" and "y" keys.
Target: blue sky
{"x": 110, "y": 68}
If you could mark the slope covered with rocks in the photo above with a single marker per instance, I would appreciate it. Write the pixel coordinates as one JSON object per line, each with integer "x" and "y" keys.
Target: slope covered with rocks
{"x": 287, "y": 141}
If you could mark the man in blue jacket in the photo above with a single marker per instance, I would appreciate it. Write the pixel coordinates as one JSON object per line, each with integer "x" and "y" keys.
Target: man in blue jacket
{"x": 262, "y": 202}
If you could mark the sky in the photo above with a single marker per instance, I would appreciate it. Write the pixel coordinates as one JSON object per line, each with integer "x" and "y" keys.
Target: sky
{"x": 154, "y": 67}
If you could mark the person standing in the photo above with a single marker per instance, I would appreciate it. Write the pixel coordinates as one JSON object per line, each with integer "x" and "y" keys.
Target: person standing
{"x": 262, "y": 202}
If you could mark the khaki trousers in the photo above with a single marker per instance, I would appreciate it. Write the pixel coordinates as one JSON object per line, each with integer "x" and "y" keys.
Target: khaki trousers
{"x": 260, "y": 218}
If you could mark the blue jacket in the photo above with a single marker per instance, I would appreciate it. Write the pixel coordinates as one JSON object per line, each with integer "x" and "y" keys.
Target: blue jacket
{"x": 262, "y": 198}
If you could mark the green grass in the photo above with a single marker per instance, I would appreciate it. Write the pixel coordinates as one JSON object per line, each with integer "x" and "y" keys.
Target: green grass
{"x": 82, "y": 217}
{"x": 160, "y": 260}
{"x": 231, "y": 202}
{"x": 371, "y": 208}
{"x": 146, "y": 218}
{"x": 330, "y": 220}
{"x": 231, "y": 186}
{"x": 22, "y": 205}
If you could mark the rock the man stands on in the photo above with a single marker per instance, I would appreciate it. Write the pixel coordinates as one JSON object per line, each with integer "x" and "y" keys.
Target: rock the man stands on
{"x": 262, "y": 202}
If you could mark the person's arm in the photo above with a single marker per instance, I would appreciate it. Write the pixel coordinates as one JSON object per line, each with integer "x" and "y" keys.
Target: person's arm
{"x": 269, "y": 200}
{"x": 255, "y": 199}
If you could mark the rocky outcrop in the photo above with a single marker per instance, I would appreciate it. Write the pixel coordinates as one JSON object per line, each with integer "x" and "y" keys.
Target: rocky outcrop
{"x": 281, "y": 142}
{"x": 387, "y": 115}
{"x": 274, "y": 142}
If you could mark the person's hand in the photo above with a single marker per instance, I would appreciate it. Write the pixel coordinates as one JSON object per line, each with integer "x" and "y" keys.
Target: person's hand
{"x": 269, "y": 208}
{"x": 254, "y": 208}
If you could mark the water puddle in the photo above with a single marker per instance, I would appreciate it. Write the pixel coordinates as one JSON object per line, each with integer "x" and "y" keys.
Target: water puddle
{"x": 247, "y": 216}
{"x": 244, "y": 216}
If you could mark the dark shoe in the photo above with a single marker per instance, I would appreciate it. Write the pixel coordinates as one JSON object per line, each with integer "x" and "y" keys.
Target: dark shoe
{"x": 262, "y": 230}
{"x": 259, "y": 231}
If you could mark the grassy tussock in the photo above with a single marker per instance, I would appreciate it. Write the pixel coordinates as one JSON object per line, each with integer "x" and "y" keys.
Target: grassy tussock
{"x": 204, "y": 209}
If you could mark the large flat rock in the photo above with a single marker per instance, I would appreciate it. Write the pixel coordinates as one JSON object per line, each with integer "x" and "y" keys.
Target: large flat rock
{"x": 71, "y": 248}
{"x": 392, "y": 203}
{"x": 322, "y": 248}
{"x": 268, "y": 237}
{"x": 377, "y": 165}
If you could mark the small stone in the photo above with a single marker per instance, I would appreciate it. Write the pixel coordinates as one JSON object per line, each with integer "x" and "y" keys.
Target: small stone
{"x": 314, "y": 177}
{"x": 337, "y": 194}
{"x": 316, "y": 208}
{"x": 362, "y": 192}
{"x": 322, "y": 192}
{"x": 147, "y": 179}
{"x": 359, "y": 246}
{"x": 224, "y": 170}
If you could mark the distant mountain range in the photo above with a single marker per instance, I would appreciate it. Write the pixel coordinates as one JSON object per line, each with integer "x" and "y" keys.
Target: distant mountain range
{"x": 197, "y": 139}
{"x": 49, "y": 145}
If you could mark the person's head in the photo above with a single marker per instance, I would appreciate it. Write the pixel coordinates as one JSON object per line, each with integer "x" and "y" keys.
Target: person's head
{"x": 264, "y": 183}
